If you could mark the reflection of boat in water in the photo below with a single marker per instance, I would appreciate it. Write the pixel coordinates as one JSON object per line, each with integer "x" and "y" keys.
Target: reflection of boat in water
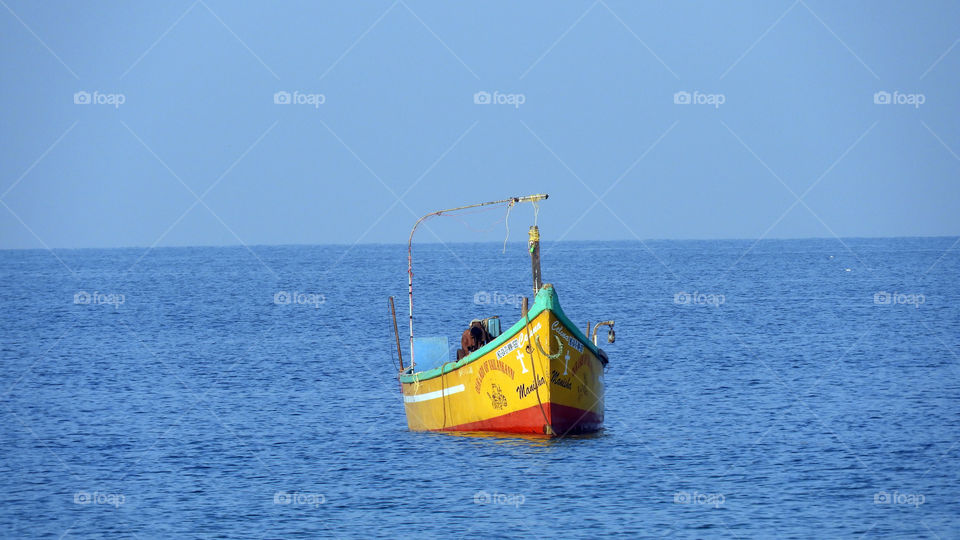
{"x": 541, "y": 376}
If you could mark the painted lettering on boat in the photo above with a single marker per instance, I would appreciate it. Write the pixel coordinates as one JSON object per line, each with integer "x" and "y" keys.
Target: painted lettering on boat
{"x": 525, "y": 391}
{"x": 492, "y": 364}
{"x": 579, "y": 364}
{"x": 515, "y": 343}
{"x": 557, "y": 327}
{"x": 564, "y": 382}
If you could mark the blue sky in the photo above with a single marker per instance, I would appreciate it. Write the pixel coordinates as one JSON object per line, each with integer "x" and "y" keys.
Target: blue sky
{"x": 787, "y": 140}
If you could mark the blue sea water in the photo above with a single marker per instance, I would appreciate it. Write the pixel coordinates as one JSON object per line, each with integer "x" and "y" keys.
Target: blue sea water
{"x": 785, "y": 388}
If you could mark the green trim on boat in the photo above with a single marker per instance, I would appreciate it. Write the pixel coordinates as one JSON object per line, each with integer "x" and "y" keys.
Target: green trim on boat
{"x": 546, "y": 300}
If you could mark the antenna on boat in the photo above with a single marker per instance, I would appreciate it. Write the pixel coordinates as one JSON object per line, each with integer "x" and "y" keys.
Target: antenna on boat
{"x": 511, "y": 201}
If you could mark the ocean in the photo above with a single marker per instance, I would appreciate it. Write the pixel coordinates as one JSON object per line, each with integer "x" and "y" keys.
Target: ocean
{"x": 781, "y": 388}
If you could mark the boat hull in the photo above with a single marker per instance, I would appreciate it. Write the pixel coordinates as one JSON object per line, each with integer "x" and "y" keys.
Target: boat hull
{"x": 540, "y": 377}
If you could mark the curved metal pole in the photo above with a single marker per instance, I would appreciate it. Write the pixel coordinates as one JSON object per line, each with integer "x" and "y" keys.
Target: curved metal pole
{"x": 511, "y": 201}
{"x": 597, "y": 327}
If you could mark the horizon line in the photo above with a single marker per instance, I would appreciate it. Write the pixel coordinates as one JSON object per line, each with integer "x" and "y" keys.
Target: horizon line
{"x": 435, "y": 242}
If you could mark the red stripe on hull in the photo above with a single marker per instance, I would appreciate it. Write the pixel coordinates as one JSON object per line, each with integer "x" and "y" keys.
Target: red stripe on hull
{"x": 563, "y": 420}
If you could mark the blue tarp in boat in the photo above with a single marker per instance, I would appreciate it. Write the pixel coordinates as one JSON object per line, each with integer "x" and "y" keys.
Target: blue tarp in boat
{"x": 430, "y": 352}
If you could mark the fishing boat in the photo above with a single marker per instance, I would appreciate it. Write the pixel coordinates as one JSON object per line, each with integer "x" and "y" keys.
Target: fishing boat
{"x": 540, "y": 376}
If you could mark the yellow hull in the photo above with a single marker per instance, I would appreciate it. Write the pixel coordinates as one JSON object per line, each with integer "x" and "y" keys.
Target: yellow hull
{"x": 541, "y": 377}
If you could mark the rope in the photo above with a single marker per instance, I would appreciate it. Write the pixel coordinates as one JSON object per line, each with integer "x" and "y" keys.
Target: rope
{"x": 534, "y": 238}
{"x": 553, "y": 356}
{"x": 506, "y": 221}
{"x": 533, "y": 363}
{"x": 443, "y": 397}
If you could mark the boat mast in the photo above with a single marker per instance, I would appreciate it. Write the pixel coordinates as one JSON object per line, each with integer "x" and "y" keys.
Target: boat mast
{"x": 511, "y": 201}
{"x": 534, "y": 244}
